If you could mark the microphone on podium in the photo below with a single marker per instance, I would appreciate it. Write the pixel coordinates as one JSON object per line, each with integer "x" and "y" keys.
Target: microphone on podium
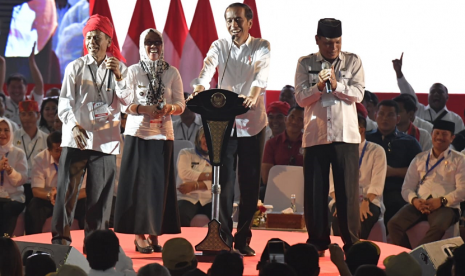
{"x": 327, "y": 65}
{"x": 226, "y": 65}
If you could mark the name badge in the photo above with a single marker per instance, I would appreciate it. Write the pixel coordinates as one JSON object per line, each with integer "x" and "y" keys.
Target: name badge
{"x": 98, "y": 111}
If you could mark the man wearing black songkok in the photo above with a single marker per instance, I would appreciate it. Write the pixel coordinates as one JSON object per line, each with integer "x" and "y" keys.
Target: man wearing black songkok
{"x": 331, "y": 136}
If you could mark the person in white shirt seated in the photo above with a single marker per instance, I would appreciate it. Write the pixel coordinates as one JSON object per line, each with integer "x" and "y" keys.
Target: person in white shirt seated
{"x": 372, "y": 167}
{"x": 13, "y": 170}
{"x": 194, "y": 181}
{"x": 44, "y": 187}
{"x": 434, "y": 186}
{"x": 407, "y": 114}
{"x": 437, "y": 99}
{"x": 105, "y": 255}
{"x": 187, "y": 126}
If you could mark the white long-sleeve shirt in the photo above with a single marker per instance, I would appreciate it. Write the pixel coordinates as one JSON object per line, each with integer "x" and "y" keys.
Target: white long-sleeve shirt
{"x": 13, "y": 183}
{"x": 31, "y": 147}
{"x": 183, "y": 132}
{"x": 420, "y": 123}
{"x": 248, "y": 66}
{"x": 372, "y": 174}
{"x": 447, "y": 179}
{"x": 75, "y": 106}
{"x": 44, "y": 173}
{"x": 338, "y": 122}
{"x": 136, "y": 86}
{"x": 190, "y": 166}
{"x": 426, "y": 112}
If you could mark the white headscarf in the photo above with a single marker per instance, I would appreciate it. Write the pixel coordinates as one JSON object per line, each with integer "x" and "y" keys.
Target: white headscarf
{"x": 6, "y": 148}
{"x": 155, "y": 68}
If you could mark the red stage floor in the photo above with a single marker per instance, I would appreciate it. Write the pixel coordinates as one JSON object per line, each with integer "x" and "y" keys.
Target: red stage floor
{"x": 195, "y": 235}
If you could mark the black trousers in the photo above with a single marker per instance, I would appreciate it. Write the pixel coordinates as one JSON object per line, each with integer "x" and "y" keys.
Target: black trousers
{"x": 9, "y": 212}
{"x": 439, "y": 221}
{"x": 249, "y": 151}
{"x": 343, "y": 158}
{"x": 39, "y": 210}
{"x": 101, "y": 169}
{"x": 187, "y": 211}
{"x": 365, "y": 226}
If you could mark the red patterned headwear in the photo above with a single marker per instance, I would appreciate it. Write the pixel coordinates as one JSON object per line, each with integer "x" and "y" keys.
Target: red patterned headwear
{"x": 28, "y": 105}
{"x": 278, "y": 107}
{"x": 103, "y": 24}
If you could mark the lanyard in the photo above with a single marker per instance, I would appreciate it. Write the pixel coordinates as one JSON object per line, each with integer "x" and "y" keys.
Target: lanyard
{"x": 95, "y": 81}
{"x": 432, "y": 168}
{"x": 363, "y": 154}
{"x": 56, "y": 167}
{"x": 201, "y": 156}
{"x": 1, "y": 183}
{"x": 32, "y": 151}
{"x": 184, "y": 134}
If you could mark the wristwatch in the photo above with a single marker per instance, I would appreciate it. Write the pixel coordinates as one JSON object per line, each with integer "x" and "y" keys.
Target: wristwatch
{"x": 366, "y": 199}
{"x": 49, "y": 196}
{"x": 444, "y": 201}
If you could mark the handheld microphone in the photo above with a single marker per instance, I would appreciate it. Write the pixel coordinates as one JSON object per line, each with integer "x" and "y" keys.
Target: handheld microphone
{"x": 327, "y": 65}
{"x": 110, "y": 72}
{"x": 226, "y": 65}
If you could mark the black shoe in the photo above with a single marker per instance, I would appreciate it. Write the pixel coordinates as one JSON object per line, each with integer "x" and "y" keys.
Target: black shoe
{"x": 245, "y": 250}
{"x": 157, "y": 248}
{"x": 143, "y": 250}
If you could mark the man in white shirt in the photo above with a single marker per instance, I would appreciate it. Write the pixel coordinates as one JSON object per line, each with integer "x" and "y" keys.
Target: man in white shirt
{"x": 434, "y": 186}
{"x": 246, "y": 75}
{"x": 16, "y": 86}
{"x": 188, "y": 125}
{"x": 331, "y": 135}
{"x": 372, "y": 166}
{"x": 29, "y": 138}
{"x": 91, "y": 131}
{"x": 437, "y": 99}
{"x": 44, "y": 182}
{"x": 407, "y": 113}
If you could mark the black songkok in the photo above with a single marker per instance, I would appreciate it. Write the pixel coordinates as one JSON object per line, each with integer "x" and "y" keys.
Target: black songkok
{"x": 329, "y": 27}
{"x": 444, "y": 125}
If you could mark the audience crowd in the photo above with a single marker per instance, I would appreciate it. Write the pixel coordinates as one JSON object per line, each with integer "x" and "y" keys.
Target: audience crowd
{"x": 412, "y": 169}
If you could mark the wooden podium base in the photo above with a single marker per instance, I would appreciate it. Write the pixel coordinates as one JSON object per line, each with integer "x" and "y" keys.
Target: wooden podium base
{"x": 212, "y": 244}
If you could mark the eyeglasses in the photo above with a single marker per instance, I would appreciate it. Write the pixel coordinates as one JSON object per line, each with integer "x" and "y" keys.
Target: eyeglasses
{"x": 152, "y": 42}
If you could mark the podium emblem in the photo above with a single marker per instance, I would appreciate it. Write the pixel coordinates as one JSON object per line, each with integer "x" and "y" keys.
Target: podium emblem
{"x": 218, "y": 100}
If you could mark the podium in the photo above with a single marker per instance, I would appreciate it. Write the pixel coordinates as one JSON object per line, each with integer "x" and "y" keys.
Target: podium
{"x": 218, "y": 109}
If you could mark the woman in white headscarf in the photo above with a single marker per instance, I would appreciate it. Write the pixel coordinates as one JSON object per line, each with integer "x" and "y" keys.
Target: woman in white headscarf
{"x": 13, "y": 174}
{"x": 146, "y": 200}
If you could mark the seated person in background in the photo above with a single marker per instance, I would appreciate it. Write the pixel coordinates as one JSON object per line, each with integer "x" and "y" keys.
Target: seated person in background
{"x": 287, "y": 95}
{"x": 2, "y": 112}
{"x": 186, "y": 128}
{"x": 30, "y": 139}
{"x": 13, "y": 167}
{"x": 417, "y": 121}
{"x": 16, "y": 86}
{"x": 434, "y": 190}
{"x": 400, "y": 150}
{"x": 276, "y": 113}
{"x": 53, "y": 92}
{"x": 57, "y": 124}
{"x": 105, "y": 256}
{"x": 407, "y": 114}
{"x": 48, "y": 110}
{"x": 285, "y": 148}
{"x": 437, "y": 99}
{"x": 194, "y": 181}
{"x": 372, "y": 173}
{"x": 370, "y": 101}
{"x": 44, "y": 183}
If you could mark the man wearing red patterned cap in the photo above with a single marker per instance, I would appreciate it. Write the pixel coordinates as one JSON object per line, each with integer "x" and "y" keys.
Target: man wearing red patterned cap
{"x": 276, "y": 113}
{"x": 90, "y": 112}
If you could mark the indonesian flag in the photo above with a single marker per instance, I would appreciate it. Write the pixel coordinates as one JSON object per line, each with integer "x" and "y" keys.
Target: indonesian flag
{"x": 101, "y": 7}
{"x": 201, "y": 35}
{"x": 255, "y": 31}
{"x": 142, "y": 19}
{"x": 174, "y": 34}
